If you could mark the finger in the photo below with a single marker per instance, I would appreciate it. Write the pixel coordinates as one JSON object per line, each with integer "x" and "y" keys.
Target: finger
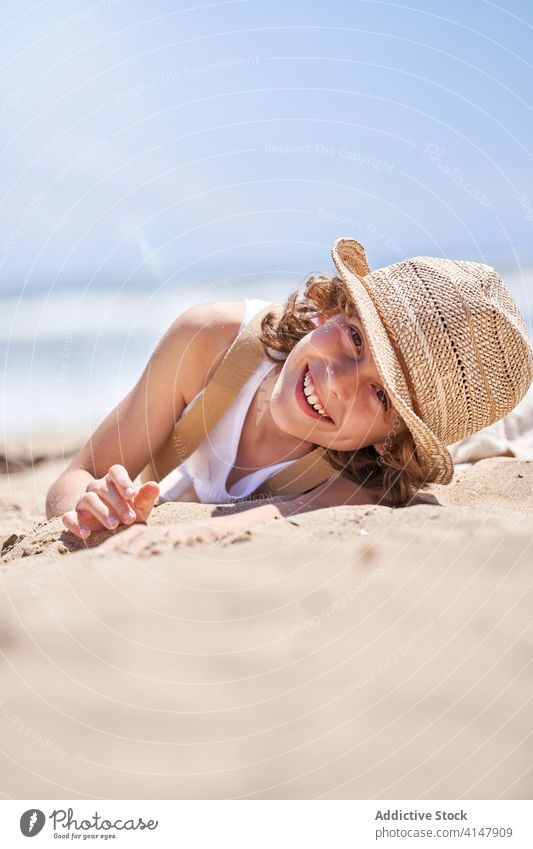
{"x": 91, "y": 503}
{"x": 110, "y": 495}
{"x": 118, "y": 475}
{"x": 71, "y": 521}
{"x": 145, "y": 499}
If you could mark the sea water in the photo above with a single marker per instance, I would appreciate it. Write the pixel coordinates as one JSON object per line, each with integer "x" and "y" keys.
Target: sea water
{"x": 68, "y": 357}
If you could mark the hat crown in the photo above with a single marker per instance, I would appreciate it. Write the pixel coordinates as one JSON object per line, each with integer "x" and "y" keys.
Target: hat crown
{"x": 448, "y": 340}
{"x": 461, "y": 340}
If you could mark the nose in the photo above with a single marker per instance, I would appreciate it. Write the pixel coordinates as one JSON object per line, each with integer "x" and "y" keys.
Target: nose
{"x": 342, "y": 379}
{"x": 347, "y": 378}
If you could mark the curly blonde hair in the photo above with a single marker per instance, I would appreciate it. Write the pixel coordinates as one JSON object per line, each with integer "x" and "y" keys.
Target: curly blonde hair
{"x": 397, "y": 473}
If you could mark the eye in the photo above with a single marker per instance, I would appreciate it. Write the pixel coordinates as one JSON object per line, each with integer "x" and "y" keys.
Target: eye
{"x": 356, "y": 336}
{"x": 382, "y": 397}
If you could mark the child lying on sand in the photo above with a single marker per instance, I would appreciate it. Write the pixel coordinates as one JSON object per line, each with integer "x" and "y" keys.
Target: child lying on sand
{"x": 361, "y": 384}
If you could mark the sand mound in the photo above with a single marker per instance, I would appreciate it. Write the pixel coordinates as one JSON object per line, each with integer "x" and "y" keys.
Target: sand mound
{"x": 361, "y": 652}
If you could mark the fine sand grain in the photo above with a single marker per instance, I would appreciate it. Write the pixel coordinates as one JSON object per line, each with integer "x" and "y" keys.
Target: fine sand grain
{"x": 355, "y": 652}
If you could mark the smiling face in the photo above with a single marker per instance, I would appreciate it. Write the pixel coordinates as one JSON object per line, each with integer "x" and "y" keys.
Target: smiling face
{"x": 330, "y": 392}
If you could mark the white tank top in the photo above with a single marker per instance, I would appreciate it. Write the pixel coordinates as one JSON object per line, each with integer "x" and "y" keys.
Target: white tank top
{"x": 208, "y": 467}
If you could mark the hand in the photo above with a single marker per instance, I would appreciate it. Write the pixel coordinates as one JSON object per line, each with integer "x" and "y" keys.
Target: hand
{"x": 110, "y": 500}
{"x": 156, "y": 539}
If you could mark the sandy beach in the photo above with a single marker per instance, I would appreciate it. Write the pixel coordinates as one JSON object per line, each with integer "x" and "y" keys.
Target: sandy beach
{"x": 354, "y": 652}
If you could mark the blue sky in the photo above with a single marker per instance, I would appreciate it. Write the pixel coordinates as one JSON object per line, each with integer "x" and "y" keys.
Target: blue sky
{"x": 162, "y": 143}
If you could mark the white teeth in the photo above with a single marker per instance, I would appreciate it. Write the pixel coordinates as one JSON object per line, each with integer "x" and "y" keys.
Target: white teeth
{"x": 309, "y": 391}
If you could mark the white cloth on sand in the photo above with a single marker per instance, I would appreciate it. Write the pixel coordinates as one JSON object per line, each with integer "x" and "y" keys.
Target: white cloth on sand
{"x": 511, "y": 436}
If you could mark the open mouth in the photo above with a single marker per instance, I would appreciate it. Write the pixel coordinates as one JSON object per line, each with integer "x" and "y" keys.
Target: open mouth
{"x": 308, "y": 400}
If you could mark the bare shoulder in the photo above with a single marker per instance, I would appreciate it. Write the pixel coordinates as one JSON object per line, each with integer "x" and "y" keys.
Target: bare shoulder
{"x": 209, "y": 330}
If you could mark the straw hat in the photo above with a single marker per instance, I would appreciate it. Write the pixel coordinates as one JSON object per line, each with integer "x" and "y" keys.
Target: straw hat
{"x": 448, "y": 340}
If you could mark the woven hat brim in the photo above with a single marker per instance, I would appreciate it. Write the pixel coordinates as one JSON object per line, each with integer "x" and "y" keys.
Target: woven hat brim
{"x": 432, "y": 453}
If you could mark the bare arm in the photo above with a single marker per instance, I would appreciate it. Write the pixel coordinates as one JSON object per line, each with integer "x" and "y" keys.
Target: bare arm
{"x": 141, "y": 422}
{"x": 335, "y": 492}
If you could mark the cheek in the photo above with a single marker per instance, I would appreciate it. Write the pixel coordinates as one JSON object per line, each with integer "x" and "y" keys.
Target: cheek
{"x": 356, "y": 432}
{"x": 347, "y": 440}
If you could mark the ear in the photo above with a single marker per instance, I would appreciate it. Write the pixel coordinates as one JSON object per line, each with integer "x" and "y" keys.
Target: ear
{"x": 379, "y": 446}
